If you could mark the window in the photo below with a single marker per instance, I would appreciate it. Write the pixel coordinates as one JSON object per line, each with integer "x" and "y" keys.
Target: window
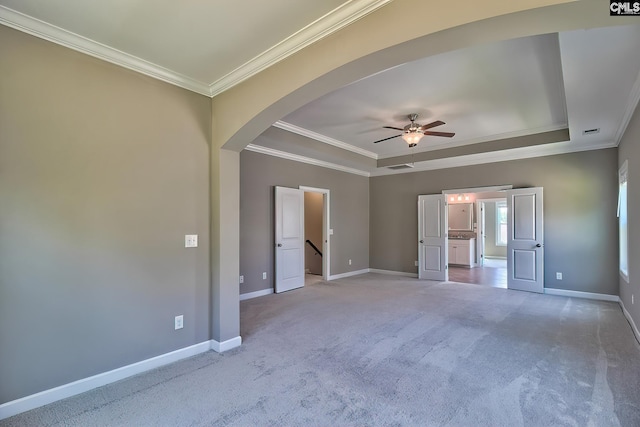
{"x": 622, "y": 221}
{"x": 501, "y": 223}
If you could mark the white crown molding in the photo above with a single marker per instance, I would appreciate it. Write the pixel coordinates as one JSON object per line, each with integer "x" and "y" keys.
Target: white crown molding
{"x": 499, "y": 156}
{"x": 634, "y": 98}
{"x": 52, "y": 33}
{"x": 322, "y": 138}
{"x": 444, "y": 144}
{"x": 328, "y": 24}
{"x": 302, "y": 159}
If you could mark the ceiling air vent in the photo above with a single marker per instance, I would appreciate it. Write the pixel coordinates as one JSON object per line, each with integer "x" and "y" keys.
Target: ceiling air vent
{"x": 591, "y": 131}
{"x": 398, "y": 167}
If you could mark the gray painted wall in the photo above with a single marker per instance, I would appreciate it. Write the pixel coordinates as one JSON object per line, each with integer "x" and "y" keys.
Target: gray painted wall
{"x": 580, "y": 199}
{"x": 629, "y": 150}
{"x": 313, "y": 204}
{"x": 259, "y": 174}
{"x": 490, "y": 247}
{"x": 103, "y": 173}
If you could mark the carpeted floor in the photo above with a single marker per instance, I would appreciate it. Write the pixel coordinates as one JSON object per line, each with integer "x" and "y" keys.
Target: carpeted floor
{"x": 384, "y": 350}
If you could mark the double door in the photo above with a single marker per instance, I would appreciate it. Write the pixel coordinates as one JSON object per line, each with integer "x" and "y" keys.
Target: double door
{"x": 525, "y": 239}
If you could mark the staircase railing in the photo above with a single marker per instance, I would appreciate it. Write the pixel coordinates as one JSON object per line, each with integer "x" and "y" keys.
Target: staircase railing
{"x": 315, "y": 248}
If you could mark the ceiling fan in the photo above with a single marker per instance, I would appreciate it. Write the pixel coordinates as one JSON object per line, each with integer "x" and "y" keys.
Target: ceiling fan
{"x": 413, "y": 132}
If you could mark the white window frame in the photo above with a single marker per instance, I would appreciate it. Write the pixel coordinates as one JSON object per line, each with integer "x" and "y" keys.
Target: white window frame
{"x": 498, "y": 206}
{"x": 623, "y": 221}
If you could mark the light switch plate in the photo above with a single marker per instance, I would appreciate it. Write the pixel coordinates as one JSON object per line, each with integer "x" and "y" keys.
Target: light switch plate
{"x": 241, "y": 279}
{"x": 190, "y": 240}
{"x": 558, "y": 276}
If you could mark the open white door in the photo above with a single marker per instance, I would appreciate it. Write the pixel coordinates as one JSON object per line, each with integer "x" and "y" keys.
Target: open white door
{"x": 289, "y": 239}
{"x": 432, "y": 237}
{"x": 525, "y": 240}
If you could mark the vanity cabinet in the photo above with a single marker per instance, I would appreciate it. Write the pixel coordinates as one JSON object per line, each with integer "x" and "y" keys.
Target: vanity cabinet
{"x": 462, "y": 252}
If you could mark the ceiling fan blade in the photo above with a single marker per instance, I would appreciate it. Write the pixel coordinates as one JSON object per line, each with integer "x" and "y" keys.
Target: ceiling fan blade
{"x": 431, "y": 125}
{"x": 391, "y": 127}
{"x": 445, "y": 134}
{"x": 391, "y": 137}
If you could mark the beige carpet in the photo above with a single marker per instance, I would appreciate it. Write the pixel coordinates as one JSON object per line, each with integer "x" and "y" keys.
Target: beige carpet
{"x": 383, "y": 350}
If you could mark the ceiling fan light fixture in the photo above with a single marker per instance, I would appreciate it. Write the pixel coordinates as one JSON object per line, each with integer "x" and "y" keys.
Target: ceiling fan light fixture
{"x": 412, "y": 138}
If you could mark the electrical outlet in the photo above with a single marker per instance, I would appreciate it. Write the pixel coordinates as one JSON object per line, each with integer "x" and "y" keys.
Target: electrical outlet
{"x": 349, "y": 262}
{"x": 558, "y": 276}
{"x": 415, "y": 263}
{"x": 264, "y": 276}
{"x": 632, "y": 299}
{"x": 190, "y": 240}
{"x": 241, "y": 279}
{"x": 179, "y": 322}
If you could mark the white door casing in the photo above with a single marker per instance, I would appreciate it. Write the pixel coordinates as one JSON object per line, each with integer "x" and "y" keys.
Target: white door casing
{"x": 289, "y": 238}
{"x": 432, "y": 237}
{"x": 326, "y": 227}
{"x": 525, "y": 240}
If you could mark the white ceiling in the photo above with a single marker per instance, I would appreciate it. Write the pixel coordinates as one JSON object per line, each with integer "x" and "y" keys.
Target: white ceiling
{"x": 205, "y": 46}
{"x": 577, "y": 80}
{"x": 481, "y": 93}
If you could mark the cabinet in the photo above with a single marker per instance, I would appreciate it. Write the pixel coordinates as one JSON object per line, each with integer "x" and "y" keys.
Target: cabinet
{"x": 462, "y": 252}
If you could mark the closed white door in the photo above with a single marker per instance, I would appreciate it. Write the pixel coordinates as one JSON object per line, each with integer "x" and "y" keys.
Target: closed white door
{"x": 289, "y": 239}
{"x": 432, "y": 237}
{"x": 525, "y": 240}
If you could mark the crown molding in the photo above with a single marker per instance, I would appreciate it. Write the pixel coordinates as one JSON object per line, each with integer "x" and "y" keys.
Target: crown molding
{"x": 52, "y": 33}
{"x": 302, "y": 159}
{"x": 634, "y": 98}
{"x": 328, "y": 24}
{"x": 322, "y": 138}
{"x": 496, "y": 137}
{"x": 552, "y": 149}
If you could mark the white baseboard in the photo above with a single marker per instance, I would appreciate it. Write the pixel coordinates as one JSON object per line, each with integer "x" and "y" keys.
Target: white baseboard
{"x": 580, "y": 294}
{"x": 42, "y": 398}
{"x": 634, "y": 328}
{"x": 256, "y": 294}
{"x": 348, "y": 274}
{"x": 393, "y": 273}
{"x": 223, "y": 346}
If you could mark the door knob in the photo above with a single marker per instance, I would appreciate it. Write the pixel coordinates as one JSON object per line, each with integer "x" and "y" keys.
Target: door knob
{"x": 421, "y": 241}
{"x": 538, "y": 245}
{"x": 279, "y": 245}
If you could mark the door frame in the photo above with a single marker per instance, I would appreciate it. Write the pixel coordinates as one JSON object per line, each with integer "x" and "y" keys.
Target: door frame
{"x": 482, "y": 226}
{"x": 473, "y": 190}
{"x": 326, "y": 229}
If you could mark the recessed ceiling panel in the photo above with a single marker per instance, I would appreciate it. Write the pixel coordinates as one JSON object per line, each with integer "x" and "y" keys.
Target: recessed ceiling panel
{"x": 482, "y": 93}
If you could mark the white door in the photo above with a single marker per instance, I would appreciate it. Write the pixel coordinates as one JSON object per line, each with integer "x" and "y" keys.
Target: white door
{"x": 289, "y": 239}
{"x": 483, "y": 234}
{"x": 432, "y": 237}
{"x": 525, "y": 240}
